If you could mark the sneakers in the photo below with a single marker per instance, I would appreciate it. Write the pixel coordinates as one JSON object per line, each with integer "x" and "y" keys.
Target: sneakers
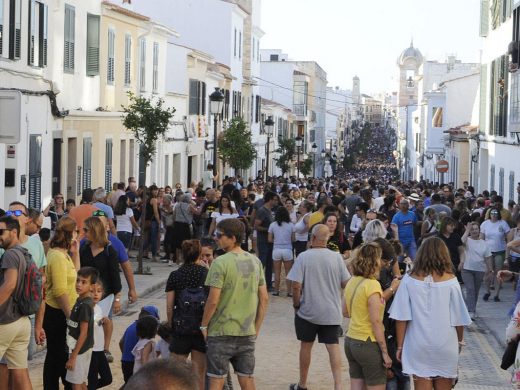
{"x": 486, "y": 296}
{"x": 296, "y": 386}
{"x": 496, "y": 299}
{"x": 165, "y": 260}
{"x": 109, "y": 356}
{"x": 276, "y": 293}
{"x": 170, "y": 263}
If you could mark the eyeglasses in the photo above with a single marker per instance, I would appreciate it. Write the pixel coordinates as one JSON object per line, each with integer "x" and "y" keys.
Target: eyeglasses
{"x": 99, "y": 213}
{"x": 15, "y": 213}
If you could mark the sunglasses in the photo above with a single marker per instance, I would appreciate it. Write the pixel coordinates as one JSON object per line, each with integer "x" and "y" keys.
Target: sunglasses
{"x": 218, "y": 234}
{"x": 16, "y": 213}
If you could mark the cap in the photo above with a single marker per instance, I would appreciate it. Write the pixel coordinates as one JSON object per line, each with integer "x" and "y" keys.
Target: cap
{"x": 414, "y": 197}
{"x": 152, "y": 310}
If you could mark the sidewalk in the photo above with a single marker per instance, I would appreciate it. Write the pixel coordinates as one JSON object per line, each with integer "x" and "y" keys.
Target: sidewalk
{"x": 493, "y": 315}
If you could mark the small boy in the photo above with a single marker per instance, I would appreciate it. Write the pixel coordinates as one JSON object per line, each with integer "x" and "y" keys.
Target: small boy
{"x": 80, "y": 329}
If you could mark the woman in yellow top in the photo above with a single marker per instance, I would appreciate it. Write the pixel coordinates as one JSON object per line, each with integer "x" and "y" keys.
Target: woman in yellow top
{"x": 60, "y": 289}
{"x": 365, "y": 344}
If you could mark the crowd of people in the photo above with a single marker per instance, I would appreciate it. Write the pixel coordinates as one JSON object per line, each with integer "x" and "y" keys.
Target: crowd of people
{"x": 389, "y": 255}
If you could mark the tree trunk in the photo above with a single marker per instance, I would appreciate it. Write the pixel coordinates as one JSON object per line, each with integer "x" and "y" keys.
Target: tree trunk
{"x": 142, "y": 222}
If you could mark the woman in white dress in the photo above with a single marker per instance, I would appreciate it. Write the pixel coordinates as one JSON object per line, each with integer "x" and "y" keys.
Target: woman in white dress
{"x": 430, "y": 317}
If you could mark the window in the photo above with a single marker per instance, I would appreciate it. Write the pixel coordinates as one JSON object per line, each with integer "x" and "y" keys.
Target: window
{"x": 1, "y": 26}
{"x": 273, "y": 57}
{"x": 235, "y": 44}
{"x": 240, "y": 44}
{"x": 15, "y": 29}
{"x": 87, "y": 162}
{"x": 69, "y": 34}
{"x": 110, "y": 57}
{"x": 35, "y": 171}
{"x": 492, "y": 178}
{"x": 93, "y": 45}
{"x": 237, "y": 105}
{"x": 128, "y": 59}
{"x": 258, "y": 51}
{"x": 410, "y": 83}
{"x": 436, "y": 117}
{"x": 484, "y": 18}
{"x": 37, "y": 34}
{"x": 142, "y": 64}
{"x": 483, "y": 97}
{"x": 197, "y": 105}
{"x": 226, "y": 104}
{"x": 155, "y": 78}
{"x": 501, "y": 182}
{"x": 511, "y": 185}
{"x": 498, "y": 96}
{"x": 258, "y": 107}
{"x": 108, "y": 164}
{"x": 253, "y": 49}
{"x": 500, "y": 12}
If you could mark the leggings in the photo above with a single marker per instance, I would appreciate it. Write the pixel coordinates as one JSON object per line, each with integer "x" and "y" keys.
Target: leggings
{"x": 99, "y": 374}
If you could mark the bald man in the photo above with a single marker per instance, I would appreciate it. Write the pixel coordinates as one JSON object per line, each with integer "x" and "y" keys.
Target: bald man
{"x": 318, "y": 311}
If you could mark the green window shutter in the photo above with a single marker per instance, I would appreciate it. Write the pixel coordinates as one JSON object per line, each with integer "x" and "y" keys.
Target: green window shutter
{"x": 111, "y": 60}
{"x": 484, "y": 18}
{"x": 69, "y": 38}
{"x": 483, "y": 98}
{"x": 92, "y": 45}
{"x": 128, "y": 59}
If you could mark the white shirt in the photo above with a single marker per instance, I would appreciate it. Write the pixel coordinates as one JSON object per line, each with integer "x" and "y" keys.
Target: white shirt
{"x": 495, "y": 233}
{"x": 207, "y": 180}
{"x": 378, "y": 202}
{"x": 475, "y": 253}
{"x": 123, "y": 221}
{"x": 163, "y": 348}
{"x": 99, "y": 334}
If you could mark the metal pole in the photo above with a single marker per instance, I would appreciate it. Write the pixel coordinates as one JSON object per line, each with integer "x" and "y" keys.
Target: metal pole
{"x": 215, "y": 149}
{"x": 267, "y": 159}
{"x": 298, "y": 162}
{"x": 314, "y": 165}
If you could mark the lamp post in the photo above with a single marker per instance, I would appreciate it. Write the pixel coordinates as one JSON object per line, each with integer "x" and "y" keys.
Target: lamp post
{"x": 314, "y": 151}
{"x": 216, "y": 101}
{"x": 298, "y": 146}
{"x": 334, "y": 162}
{"x": 269, "y": 125}
{"x": 323, "y": 154}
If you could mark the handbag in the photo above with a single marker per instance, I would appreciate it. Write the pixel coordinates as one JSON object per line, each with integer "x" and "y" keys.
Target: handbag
{"x": 509, "y": 356}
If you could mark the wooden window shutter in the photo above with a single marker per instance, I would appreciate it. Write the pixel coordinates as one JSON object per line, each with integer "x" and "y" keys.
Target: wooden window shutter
{"x": 93, "y": 34}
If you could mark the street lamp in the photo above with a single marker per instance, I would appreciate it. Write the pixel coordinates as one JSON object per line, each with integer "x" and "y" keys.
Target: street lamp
{"x": 216, "y": 101}
{"x": 298, "y": 146}
{"x": 314, "y": 148}
{"x": 269, "y": 125}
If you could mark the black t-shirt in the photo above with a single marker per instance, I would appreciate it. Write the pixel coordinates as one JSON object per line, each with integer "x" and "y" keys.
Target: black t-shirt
{"x": 338, "y": 243}
{"x": 83, "y": 311}
{"x": 187, "y": 276}
{"x": 207, "y": 208}
{"x": 453, "y": 242}
{"x": 107, "y": 263}
{"x": 266, "y": 216}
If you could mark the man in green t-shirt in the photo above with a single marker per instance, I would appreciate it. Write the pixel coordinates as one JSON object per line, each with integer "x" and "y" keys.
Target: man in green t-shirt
{"x": 235, "y": 308}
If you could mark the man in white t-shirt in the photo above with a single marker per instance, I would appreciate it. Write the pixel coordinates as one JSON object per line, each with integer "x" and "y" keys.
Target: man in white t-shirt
{"x": 208, "y": 177}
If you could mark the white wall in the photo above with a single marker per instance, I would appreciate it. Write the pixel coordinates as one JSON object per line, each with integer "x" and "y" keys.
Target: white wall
{"x": 462, "y": 98}
{"x": 281, "y": 74}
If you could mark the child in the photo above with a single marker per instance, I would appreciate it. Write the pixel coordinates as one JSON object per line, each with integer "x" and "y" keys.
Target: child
{"x": 144, "y": 350}
{"x": 129, "y": 340}
{"x": 163, "y": 345}
{"x": 99, "y": 374}
{"x": 80, "y": 330}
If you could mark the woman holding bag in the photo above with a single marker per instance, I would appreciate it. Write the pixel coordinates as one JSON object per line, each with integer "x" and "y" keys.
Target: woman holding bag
{"x": 365, "y": 343}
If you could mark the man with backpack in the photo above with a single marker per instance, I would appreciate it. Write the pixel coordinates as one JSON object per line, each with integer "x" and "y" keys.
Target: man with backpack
{"x": 15, "y": 327}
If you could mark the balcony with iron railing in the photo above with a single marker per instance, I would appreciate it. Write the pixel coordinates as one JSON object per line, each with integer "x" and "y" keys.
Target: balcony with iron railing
{"x": 300, "y": 110}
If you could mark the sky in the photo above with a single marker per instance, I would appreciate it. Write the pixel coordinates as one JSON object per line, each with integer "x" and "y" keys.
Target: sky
{"x": 365, "y": 37}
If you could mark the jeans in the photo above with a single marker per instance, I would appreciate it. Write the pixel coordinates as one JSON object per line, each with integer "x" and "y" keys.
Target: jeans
{"x": 472, "y": 282}
{"x": 398, "y": 382}
{"x": 168, "y": 242}
{"x": 126, "y": 239}
{"x": 55, "y": 326}
{"x": 410, "y": 249}
{"x": 99, "y": 374}
{"x": 265, "y": 253}
{"x": 151, "y": 235}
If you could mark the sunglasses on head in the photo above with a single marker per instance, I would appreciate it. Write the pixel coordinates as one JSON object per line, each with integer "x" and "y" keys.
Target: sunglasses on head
{"x": 15, "y": 213}
{"x": 99, "y": 213}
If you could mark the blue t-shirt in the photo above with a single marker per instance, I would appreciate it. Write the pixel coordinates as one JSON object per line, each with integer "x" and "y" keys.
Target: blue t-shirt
{"x": 116, "y": 243}
{"x": 130, "y": 339}
{"x": 405, "y": 224}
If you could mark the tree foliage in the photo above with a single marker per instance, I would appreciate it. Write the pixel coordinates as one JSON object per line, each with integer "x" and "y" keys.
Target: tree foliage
{"x": 286, "y": 151}
{"x": 147, "y": 121}
{"x": 306, "y": 166}
{"x": 235, "y": 146}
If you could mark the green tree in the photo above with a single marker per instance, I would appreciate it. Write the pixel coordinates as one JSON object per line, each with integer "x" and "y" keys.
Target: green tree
{"x": 147, "y": 120}
{"x": 235, "y": 146}
{"x": 286, "y": 150}
{"x": 306, "y": 166}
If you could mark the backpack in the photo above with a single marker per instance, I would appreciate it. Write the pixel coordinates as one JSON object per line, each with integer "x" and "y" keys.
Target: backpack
{"x": 188, "y": 311}
{"x": 29, "y": 298}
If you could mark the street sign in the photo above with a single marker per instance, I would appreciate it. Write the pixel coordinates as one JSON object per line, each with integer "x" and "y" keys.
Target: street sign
{"x": 10, "y": 116}
{"x": 442, "y": 166}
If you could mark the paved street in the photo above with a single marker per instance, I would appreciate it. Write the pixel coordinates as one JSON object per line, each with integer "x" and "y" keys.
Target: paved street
{"x": 277, "y": 348}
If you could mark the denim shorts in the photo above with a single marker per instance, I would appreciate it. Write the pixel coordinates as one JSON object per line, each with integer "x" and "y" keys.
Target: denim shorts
{"x": 237, "y": 350}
